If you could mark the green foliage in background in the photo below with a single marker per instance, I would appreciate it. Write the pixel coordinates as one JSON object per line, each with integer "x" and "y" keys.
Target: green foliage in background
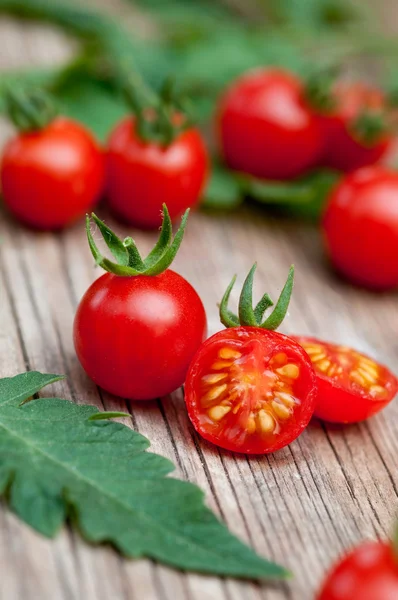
{"x": 203, "y": 44}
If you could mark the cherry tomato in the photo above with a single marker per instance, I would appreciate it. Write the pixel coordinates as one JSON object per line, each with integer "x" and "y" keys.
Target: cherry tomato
{"x": 250, "y": 390}
{"x": 369, "y": 572}
{"x": 345, "y": 147}
{"x": 265, "y": 127}
{"x": 360, "y": 227}
{"x": 351, "y": 386}
{"x": 135, "y": 336}
{"x": 52, "y": 176}
{"x": 144, "y": 175}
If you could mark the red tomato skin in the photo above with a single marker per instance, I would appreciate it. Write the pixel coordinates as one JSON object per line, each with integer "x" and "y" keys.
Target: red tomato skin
{"x": 342, "y": 406}
{"x": 265, "y": 128}
{"x": 135, "y": 336}
{"x": 279, "y": 343}
{"x": 337, "y": 404}
{"x": 369, "y": 572}
{"x": 341, "y": 150}
{"x": 52, "y": 177}
{"x": 360, "y": 227}
{"x": 143, "y": 175}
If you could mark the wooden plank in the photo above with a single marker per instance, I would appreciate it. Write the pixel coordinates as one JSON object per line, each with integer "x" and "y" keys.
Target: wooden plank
{"x": 301, "y": 506}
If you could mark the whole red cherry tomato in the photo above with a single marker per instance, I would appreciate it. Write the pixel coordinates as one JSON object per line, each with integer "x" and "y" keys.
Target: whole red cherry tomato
{"x": 52, "y": 172}
{"x": 354, "y": 131}
{"x": 155, "y": 157}
{"x": 138, "y": 326}
{"x": 369, "y": 572}
{"x": 265, "y": 127}
{"x": 351, "y": 386}
{"x": 250, "y": 389}
{"x": 360, "y": 227}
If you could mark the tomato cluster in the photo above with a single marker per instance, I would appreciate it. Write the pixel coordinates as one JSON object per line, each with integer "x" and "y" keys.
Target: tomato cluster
{"x": 273, "y": 125}
{"x": 53, "y": 171}
{"x": 140, "y": 329}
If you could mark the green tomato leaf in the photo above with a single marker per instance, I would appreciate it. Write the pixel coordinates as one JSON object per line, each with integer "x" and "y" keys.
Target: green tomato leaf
{"x": 91, "y": 102}
{"x": 223, "y": 191}
{"x": 303, "y": 198}
{"x": 57, "y": 458}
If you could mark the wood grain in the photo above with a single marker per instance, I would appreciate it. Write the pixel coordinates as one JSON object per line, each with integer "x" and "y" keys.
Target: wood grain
{"x": 302, "y": 506}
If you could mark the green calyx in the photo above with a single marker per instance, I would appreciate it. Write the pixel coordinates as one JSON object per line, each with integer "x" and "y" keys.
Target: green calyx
{"x": 129, "y": 262}
{"x": 369, "y": 127}
{"x": 250, "y": 316}
{"x": 29, "y": 111}
{"x": 159, "y": 118}
{"x": 319, "y": 90}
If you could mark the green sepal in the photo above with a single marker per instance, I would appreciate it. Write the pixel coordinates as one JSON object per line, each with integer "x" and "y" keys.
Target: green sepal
{"x": 369, "y": 127}
{"x": 226, "y": 316}
{"x": 155, "y": 114}
{"x": 130, "y": 263}
{"x": 318, "y": 90}
{"x": 252, "y": 317}
{"x": 29, "y": 111}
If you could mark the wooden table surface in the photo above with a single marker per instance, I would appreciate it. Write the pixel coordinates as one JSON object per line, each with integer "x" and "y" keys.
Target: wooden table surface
{"x": 302, "y": 506}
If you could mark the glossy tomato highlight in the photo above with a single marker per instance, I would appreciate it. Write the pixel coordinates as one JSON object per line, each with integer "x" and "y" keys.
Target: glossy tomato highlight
{"x": 351, "y": 386}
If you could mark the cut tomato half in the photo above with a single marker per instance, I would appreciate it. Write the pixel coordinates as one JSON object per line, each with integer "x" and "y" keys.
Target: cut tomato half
{"x": 351, "y": 386}
{"x": 250, "y": 390}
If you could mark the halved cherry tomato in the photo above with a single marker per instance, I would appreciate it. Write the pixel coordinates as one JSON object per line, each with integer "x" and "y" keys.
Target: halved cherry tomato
{"x": 351, "y": 386}
{"x": 369, "y": 572}
{"x": 250, "y": 390}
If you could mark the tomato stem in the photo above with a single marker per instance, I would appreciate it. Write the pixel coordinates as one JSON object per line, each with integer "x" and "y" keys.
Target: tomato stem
{"x": 252, "y": 317}
{"x": 369, "y": 127}
{"x": 129, "y": 262}
{"x": 319, "y": 90}
{"x": 29, "y": 111}
{"x": 159, "y": 118}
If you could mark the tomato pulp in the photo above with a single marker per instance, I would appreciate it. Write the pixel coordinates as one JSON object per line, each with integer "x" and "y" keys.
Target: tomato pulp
{"x": 144, "y": 175}
{"x": 250, "y": 390}
{"x": 135, "y": 336}
{"x": 265, "y": 127}
{"x": 369, "y": 572}
{"x": 343, "y": 146}
{"x": 351, "y": 386}
{"x": 53, "y": 176}
{"x": 360, "y": 227}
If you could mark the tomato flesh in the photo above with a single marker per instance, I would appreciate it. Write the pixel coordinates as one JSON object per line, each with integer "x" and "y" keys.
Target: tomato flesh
{"x": 351, "y": 386}
{"x": 369, "y": 572}
{"x": 136, "y": 336}
{"x": 250, "y": 390}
